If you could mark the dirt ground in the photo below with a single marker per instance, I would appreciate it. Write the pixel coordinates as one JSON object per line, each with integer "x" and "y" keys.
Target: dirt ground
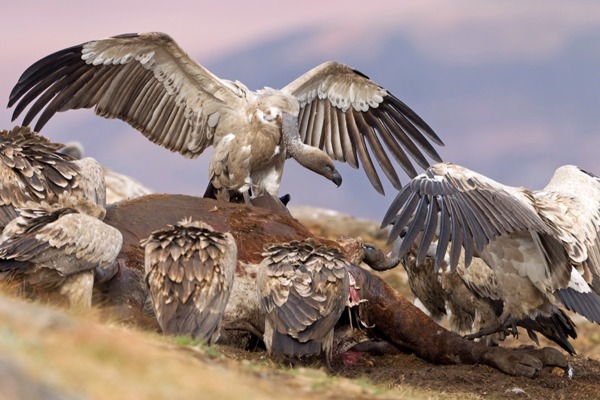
{"x": 476, "y": 381}
{"x": 407, "y": 376}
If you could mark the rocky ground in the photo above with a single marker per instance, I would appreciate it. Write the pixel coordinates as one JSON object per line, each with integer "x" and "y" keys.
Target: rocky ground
{"x": 51, "y": 354}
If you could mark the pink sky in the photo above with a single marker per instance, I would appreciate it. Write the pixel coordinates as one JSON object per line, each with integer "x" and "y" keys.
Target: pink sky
{"x": 442, "y": 28}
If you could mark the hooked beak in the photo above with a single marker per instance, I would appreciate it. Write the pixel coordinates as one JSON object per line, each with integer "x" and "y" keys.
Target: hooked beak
{"x": 336, "y": 178}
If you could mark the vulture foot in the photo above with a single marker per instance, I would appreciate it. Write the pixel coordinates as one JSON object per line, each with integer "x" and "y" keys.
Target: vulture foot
{"x": 285, "y": 199}
{"x": 504, "y": 323}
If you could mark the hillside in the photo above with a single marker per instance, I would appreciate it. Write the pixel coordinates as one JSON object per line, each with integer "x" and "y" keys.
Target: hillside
{"x": 50, "y": 353}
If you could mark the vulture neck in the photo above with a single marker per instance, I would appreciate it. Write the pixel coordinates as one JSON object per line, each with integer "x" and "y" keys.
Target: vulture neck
{"x": 377, "y": 260}
{"x": 306, "y": 155}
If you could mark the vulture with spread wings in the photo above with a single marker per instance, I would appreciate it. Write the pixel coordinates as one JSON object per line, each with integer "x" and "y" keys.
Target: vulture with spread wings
{"x": 542, "y": 245}
{"x": 149, "y": 82}
{"x": 471, "y": 300}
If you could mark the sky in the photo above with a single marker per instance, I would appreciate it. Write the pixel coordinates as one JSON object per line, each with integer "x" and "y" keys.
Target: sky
{"x": 511, "y": 87}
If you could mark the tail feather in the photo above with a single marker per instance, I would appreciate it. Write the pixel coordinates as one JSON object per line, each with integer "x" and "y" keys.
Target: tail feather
{"x": 186, "y": 319}
{"x": 557, "y": 327}
{"x": 287, "y": 345}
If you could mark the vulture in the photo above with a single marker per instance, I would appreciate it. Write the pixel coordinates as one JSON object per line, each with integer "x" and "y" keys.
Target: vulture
{"x": 189, "y": 270}
{"x": 471, "y": 299}
{"x": 542, "y": 246}
{"x": 119, "y": 187}
{"x": 303, "y": 288}
{"x": 148, "y": 81}
{"x": 32, "y": 170}
{"x": 58, "y": 250}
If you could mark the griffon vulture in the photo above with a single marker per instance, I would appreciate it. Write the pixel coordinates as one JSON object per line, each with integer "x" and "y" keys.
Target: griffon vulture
{"x": 303, "y": 288}
{"x": 119, "y": 187}
{"x": 32, "y": 171}
{"x": 148, "y": 81}
{"x": 59, "y": 249}
{"x": 468, "y": 296}
{"x": 542, "y": 245}
{"x": 189, "y": 271}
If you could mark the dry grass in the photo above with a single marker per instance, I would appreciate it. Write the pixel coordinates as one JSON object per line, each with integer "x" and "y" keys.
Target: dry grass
{"x": 81, "y": 356}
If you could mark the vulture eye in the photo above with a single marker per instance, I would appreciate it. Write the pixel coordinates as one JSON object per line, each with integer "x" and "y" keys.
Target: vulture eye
{"x": 369, "y": 247}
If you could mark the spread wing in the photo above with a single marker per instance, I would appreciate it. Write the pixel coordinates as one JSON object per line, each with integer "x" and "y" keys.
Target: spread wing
{"x": 303, "y": 290}
{"x": 462, "y": 209}
{"x": 344, "y": 113}
{"x": 31, "y": 169}
{"x": 190, "y": 272}
{"x": 68, "y": 241}
{"x": 146, "y": 80}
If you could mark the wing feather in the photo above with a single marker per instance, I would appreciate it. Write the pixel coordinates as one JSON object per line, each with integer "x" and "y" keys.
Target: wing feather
{"x": 472, "y": 211}
{"x": 369, "y": 132}
{"x": 358, "y": 142}
{"x": 33, "y": 170}
{"x": 304, "y": 122}
{"x": 129, "y": 77}
{"x": 303, "y": 289}
{"x": 365, "y": 104}
{"x": 52, "y": 235}
{"x": 348, "y": 148}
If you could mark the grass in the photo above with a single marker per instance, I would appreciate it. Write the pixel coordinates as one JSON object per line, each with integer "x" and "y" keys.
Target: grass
{"x": 79, "y": 355}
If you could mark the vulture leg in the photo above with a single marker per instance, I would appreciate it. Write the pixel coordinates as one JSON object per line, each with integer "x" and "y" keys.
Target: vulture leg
{"x": 504, "y": 323}
{"x": 247, "y": 199}
{"x": 210, "y": 192}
